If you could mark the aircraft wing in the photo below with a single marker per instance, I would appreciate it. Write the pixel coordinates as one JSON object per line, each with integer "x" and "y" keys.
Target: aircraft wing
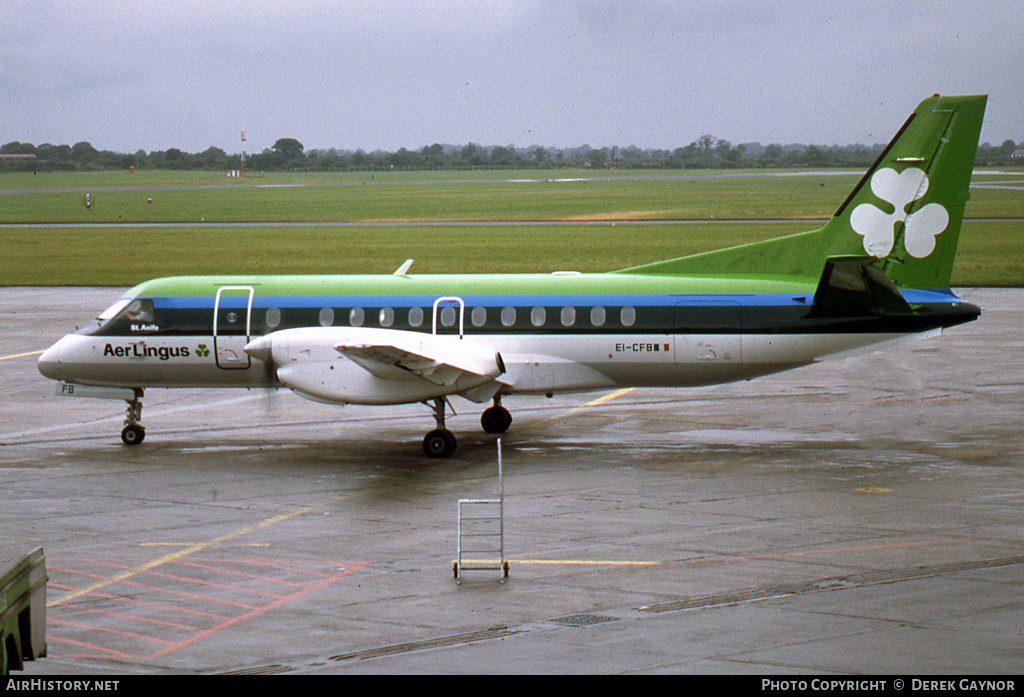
{"x": 384, "y": 366}
{"x": 440, "y": 360}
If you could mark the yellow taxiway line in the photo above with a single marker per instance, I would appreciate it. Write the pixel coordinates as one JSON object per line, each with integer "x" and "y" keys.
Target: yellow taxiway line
{"x": 596, "y": 402}
{"x": 566, "y": 562}
{"x": 21, "y": 355}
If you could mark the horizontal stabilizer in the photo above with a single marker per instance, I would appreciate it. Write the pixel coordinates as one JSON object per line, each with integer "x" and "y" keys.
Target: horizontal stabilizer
{"x": 856, "y": 284}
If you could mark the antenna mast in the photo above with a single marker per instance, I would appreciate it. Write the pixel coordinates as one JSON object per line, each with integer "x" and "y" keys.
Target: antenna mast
{"x": 243, "y": 151}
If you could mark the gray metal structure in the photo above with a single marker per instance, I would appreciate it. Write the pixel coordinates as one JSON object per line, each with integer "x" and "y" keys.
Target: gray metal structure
{"x": 482, "y": 532}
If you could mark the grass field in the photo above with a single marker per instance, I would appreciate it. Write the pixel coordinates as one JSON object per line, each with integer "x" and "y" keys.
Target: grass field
{"x": 991, "y": 251}
{"x": 412, "y": 196}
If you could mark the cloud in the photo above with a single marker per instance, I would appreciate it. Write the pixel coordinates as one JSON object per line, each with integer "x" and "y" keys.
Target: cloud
{"x": 129, "y": 74}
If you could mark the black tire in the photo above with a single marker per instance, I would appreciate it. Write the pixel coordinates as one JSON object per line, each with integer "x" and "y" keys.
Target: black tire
{"x": 439, "y": 443}
{"x": 495, "y": 420}
{"x": 133, "y": 434}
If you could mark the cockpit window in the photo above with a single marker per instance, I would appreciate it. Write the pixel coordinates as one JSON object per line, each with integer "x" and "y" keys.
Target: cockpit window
{"x": 112, "y": 311}
{"x": 140, "y": 310}
{"x": 130, "y": 309}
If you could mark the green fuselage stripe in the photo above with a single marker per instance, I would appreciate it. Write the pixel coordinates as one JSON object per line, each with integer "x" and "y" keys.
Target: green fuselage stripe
{"x": 532, "y": 304}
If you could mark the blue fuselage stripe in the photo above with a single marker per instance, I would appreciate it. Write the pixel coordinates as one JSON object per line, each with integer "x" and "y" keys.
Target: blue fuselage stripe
{"x": 575, "y": 300}
{"x": 610, "y": 299}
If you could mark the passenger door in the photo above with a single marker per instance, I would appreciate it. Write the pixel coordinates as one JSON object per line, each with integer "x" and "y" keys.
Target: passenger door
{"x": 232, "y": 326}
{"x": 449, "y": 310}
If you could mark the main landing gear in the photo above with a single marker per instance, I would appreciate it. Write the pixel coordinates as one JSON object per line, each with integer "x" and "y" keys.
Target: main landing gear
{"x": 133, "y": 432}
{"x": 441, "y": 443}
{"x": 496, "y": 419}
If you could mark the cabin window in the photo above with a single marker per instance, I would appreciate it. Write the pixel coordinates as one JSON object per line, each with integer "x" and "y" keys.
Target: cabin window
{"x": 386, "y": 317}
{"x": 415, "y": 316}
{"x": 327, "y": 317}
{"x": 479, "y": 316}
{"x": 508, "y": 316}
{"x": 273, "y": 318}
{"x": 356, "y": 316}
{"x": 627, "y": 316}
{"x": 597, "y": 316}
{"x": 448, "y": 316}
{"x": 537, "y": 316}
{"x": 568, "y": 316}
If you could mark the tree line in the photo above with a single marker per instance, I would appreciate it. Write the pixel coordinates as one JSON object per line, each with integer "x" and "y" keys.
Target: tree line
{"x": 288, "y": 154}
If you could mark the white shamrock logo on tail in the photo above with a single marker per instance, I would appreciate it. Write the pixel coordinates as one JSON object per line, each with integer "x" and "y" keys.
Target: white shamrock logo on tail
{"x": 879, "y": 227}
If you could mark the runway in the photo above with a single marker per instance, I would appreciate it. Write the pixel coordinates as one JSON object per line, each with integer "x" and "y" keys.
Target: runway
{"x": 858, "y": 516}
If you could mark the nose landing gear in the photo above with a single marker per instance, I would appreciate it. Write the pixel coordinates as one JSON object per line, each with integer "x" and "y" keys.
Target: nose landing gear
{"x": 133, "y": 432}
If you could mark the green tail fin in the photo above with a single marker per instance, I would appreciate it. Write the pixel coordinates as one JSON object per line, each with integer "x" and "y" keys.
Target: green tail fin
{"x": 906, "y": 211}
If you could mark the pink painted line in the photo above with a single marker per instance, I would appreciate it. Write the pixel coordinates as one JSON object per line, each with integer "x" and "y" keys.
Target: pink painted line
{"x": 255, "y": 612}
{"x": 158, "y": 606}
{"x": 191, "y": 596}
{"x": 289, "y": 566}
{"x": 213, "y": 584}
{"x": 169, "y": 646}
{"x": 234, "y": 572}
{"x": 145, "y": 603}
{"x": 108, "y": 630}
{"x": 72, "y": 572}
{"x": 86, "y": 645}
{"x": 128, "y": 616}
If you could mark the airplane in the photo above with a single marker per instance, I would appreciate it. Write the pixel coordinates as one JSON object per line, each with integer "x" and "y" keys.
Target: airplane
{"x": 877, "y": 271}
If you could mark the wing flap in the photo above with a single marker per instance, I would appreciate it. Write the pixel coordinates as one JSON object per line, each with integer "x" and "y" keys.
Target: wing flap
{"x": 440, "y": 360}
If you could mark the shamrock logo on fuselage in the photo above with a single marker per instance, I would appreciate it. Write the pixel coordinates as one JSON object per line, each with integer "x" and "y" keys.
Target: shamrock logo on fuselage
{"x": 920, "y": 227}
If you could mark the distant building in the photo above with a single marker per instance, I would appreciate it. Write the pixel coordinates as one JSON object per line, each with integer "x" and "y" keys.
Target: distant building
{"x": 1018, "y": 154}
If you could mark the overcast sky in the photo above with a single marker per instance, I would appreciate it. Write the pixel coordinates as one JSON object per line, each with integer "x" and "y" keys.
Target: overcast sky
{"x": 383, "y": 74}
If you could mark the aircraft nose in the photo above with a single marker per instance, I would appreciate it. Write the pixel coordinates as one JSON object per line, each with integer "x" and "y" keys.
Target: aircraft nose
{"x": 52, "y": 362}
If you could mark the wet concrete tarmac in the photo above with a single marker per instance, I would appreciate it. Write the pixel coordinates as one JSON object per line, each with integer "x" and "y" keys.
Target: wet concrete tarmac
{"x": 858, "y": 516}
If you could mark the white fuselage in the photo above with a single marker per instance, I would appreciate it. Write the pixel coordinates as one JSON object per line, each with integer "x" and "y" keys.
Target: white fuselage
{"x": 534, "y": 363}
